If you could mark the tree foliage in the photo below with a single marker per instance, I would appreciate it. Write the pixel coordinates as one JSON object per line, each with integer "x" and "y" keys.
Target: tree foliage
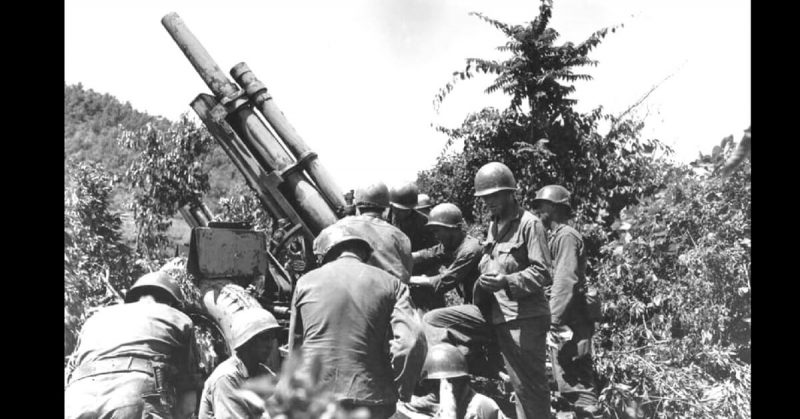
{"x": 97, "y": 266}
{"x": 166, "y": 174}
{"x": 668, "y": 244}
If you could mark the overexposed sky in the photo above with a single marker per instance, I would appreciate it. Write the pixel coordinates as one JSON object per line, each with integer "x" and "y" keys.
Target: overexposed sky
{"x": 357, "y": 78}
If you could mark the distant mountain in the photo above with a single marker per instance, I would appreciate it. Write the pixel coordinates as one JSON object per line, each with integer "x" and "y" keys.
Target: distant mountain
{"x": 92, "y": 123}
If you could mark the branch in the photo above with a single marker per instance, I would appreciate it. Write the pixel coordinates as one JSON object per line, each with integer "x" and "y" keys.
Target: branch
{"x": 111, "y": 288}
{"x": 658, "y": 342}
{"x": 643, "y": 98}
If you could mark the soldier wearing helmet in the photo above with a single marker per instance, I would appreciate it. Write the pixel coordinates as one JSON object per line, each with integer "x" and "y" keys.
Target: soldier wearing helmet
{"x": 253, "y": 340}
{"x": 446, "y": 368}
{"x": 403, "y": 200}
{"x": 391, "y": 249}
{"x": 424, "y": 204}
{"x": 515, "y": 270}
{"x": 570, "y": 356}
{"x": 455, "y": 260}
{"x": 346, "y": 312}
{"x": 135, "y": 359}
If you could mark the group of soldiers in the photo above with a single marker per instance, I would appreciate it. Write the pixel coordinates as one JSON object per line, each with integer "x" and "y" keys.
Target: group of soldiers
{"x": 374, "y": 316}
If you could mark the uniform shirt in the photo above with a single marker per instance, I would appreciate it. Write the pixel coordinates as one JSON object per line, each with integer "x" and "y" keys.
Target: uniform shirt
{"x": 519, "y": 251}
{"x": 145, "y": 330}
{"x": 569, "y": 264}
{"x": 219, "y": 399}
{"x": 343, "y": 311}
{"x": 460, "y": 266}
{"x": 391, "y": 249}
{"x": 479, "y": 407}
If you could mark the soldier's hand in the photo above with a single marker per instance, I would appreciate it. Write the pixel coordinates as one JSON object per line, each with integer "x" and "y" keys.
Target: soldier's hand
{"x": 493, "y": 282}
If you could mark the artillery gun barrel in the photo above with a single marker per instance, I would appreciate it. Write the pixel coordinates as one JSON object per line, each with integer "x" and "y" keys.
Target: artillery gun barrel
{"x": 258, "y": 94}
{"x": 309, "y": 203}
{"x": 206, "y": 67}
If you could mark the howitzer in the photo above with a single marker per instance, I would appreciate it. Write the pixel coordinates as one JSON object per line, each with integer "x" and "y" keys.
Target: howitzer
{"x": 282, "y": 170}
{"x": 293, "y": 187}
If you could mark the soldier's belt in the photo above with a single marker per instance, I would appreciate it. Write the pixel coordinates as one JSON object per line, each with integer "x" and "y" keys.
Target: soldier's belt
{"x": 112, "y": 365}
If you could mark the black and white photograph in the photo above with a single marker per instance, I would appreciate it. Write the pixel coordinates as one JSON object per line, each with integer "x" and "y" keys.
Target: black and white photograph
{"x": 407, "y": 209}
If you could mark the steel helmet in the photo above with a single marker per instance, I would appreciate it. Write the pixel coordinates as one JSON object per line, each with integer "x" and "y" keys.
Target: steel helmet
{"x": 158, "y": 279}
{"x": 404, "y": 196}
{"x": 423, "y": 201}
{"x": 556, "y": 194}
{"x": 493, "y": 177}
{"x": 250, "y": 322}
{"x": 333, "y": 236}
{"x": 373, "y": 195}
{"x": 444, "y": 361}
{"x": 445, "y": 215}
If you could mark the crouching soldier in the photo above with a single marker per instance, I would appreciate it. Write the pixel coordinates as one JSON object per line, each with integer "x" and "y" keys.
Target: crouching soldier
{"x": 346, "y": 312}
{"x": 253, "y": 340}
{"x": 455, "y": 258}
{"x": 446, "y": 368}
{"x": 133, "y": 359}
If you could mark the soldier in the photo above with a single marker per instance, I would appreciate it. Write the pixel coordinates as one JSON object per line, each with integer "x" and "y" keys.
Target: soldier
{"x": 455, "y": 398}
{"x": 133, "y": 359}
{"x": 456, "y": 254}
{"x": 411, "y": 222}
{"x": 253, "y": 340}
{"x": 515, "y": 270}
{"x": 345, "y": 312}
{"x": 571, "y": 358}
{"x": 424, "y": 204}
{"x": 391, "y": 248}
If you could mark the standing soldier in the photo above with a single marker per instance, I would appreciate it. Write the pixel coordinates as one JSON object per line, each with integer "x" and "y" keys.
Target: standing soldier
{"x": 571, "y": 358}
{"x": 391, "y": 248}
{"x": 455, "y": 259}
{"x": 410, "y": 221}
{"x": 515, "y": 270}
{"x": 424, "y": 204}
{"x": 345, "y": 312}
{"x": 253, "y": 340}
{"x": 133, "y": 359}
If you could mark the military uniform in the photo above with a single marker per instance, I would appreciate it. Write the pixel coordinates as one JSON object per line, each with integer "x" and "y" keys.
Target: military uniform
{"x": 219, "y": 398}
{"x": 344, "y": 311}
{"x": 391, "y": 248}
{"x": 520, "y": 313}
{"x": 572, "y": 360}
{"x": 460, "y": 271}
{"x": 120, "y": 348}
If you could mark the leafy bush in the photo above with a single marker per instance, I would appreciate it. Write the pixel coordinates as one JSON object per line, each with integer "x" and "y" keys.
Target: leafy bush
{"x": 97, "y": 266}
{"x": 166, "y": 174}
{"x": 676, "y": 283}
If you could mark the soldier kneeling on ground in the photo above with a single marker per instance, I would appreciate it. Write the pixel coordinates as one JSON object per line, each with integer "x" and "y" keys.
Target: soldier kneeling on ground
{"x": 447, "y": 367}
{"x": 253, "y": 339}
{"x": 135, "y": 359}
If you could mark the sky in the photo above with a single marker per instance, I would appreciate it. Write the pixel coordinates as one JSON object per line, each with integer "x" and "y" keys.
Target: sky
{"x": 357, "y": 78}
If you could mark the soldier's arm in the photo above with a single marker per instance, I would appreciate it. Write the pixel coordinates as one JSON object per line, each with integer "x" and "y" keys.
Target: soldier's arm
{"x": 188, "y": 377}
{"x": 295, "y": 324}
{"x": 427, "y": 258}
{"x": 465, "y": 264}
{"x": 227, "y": 404}
{"x": 408, "y": 346}
{"x": 404, "y": 248}
{"x": 536, "y": 276}
{"x": 565, "y": 275}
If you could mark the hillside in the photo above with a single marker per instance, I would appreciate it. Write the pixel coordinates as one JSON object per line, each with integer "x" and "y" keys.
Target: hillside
{"x": 94, "y": 121}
